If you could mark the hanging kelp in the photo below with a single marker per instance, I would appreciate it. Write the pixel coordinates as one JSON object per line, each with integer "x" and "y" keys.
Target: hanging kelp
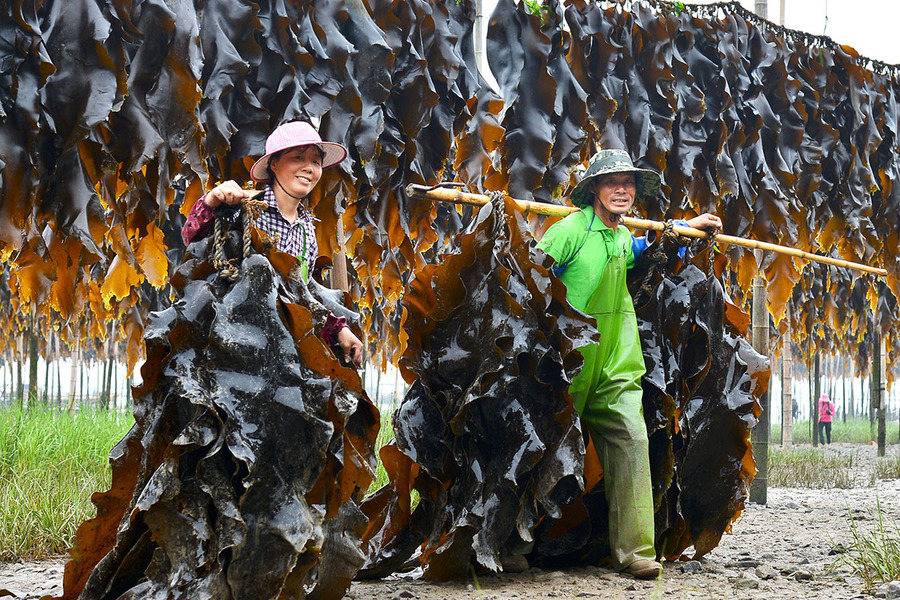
{"x": 790, "y": 137}
{"x": 776, "y": 131}
{"x": 486, "y": 435}
{"x": 469, "y": 454}
{"x": 251, "y": 447}
{"x": 700, "y": 402}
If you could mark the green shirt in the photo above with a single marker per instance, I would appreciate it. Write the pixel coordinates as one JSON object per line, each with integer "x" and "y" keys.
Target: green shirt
{"x": 583, "y": 273}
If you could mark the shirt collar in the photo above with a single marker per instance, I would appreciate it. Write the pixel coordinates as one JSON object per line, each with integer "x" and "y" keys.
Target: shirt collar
{"x": 302, "y": 212}
{"x": 598, "y": 225}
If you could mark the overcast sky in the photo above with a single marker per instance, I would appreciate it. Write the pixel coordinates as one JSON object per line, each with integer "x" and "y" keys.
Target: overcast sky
{"x": 870, "y": 26}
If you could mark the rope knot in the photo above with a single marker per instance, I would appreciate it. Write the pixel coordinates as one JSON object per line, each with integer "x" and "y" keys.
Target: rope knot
{"x": 229, "y": 268}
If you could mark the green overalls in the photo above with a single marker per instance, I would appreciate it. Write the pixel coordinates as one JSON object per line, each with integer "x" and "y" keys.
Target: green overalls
{"x": 607, "y": 392}
{"x": 304, "y": 265}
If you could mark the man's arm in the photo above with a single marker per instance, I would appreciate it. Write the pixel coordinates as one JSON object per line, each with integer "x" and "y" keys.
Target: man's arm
{"x": 706, "y": 221}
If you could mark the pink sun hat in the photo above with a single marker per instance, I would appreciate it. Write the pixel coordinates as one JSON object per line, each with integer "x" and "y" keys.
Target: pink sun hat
{"x": 290, "y": 135}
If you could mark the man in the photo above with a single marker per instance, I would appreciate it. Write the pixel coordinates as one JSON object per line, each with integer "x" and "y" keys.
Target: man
{"x": 592, "y": 252}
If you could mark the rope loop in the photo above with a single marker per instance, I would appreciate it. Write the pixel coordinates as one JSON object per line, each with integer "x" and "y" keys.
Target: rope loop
{"x": 496, "y": 198}
{"x": 711, "y": 257}
{"x": 229, "y": 268}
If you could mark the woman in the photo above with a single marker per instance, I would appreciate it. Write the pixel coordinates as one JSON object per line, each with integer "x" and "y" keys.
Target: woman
{"x": 292, "y": 166}
{"x": 826, "y": 411}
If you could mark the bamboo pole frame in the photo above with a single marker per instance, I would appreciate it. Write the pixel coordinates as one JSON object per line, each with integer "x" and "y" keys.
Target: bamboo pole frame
{"x": 455, "y": 196}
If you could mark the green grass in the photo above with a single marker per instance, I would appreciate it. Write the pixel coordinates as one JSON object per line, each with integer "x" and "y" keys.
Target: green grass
{"x": 50, "y": 464}
{"x": 887, "y": 468}
{"x": 856, "y": 430}
{"x": 385, "y": 434}
{"x": 873, "y": 554}
{"x": 808, "y": 468}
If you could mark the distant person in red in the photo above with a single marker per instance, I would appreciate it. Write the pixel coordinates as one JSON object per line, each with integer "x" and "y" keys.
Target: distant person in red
{"x": 826, "y": 411}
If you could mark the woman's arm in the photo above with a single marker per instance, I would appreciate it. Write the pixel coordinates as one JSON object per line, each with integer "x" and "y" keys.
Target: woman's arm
{"x": 336, "y": 332}
{"x": 200, "y": 218}
{"x": 199, "y": 222}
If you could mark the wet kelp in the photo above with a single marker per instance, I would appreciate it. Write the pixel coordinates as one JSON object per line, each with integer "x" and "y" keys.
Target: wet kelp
{"x": 250, "y": 450}
{"x": 773, "y": 129}
{"x": 792, "y": 137}
{"x": 701, "y": 395}
{"x": 489, "y": 440}
{"x": 487, "y": 434}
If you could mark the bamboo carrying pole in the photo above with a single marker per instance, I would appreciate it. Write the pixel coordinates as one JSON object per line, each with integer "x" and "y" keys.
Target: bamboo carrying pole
{"x": 542, "y": 208}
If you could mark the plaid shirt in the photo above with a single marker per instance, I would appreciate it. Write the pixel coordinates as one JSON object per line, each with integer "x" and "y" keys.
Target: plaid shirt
{"x": 292, "y": 239}
{"x": 297, "y": 239}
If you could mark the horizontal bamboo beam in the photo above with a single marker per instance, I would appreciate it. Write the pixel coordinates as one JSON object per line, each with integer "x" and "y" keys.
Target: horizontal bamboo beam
{"x": 444, "y": 194}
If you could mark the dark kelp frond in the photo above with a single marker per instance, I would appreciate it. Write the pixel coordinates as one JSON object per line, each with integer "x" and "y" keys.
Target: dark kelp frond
{"x": 251, "y": 446}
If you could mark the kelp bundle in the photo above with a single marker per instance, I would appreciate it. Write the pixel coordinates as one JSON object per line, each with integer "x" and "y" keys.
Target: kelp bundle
{"x": 707, "y": 390}
{"x": 788, "y": 136}
{"x": 486, "y": 434}
{"x": 251, "y": 446}
{"x": 700, "y": 403}
{"x": 472, "y": 436}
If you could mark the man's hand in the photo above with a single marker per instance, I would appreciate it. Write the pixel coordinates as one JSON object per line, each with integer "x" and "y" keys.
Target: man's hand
{"x": 351, "y": 346}
{"x": 706, "y": 221}
{"x": 228, "y": 192}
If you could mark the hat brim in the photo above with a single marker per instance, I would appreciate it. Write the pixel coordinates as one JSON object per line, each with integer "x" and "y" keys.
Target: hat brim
{"x": 334, "y": 154}
{"x": 647, "y": 184}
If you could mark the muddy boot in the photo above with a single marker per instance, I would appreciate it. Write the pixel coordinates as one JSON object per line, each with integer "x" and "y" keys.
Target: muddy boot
{"x": 644, "y": 569}
{"x": 514, "y": 564}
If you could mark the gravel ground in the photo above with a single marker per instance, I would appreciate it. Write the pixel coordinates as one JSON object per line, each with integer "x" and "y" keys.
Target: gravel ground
{"x": 779, "y": 550}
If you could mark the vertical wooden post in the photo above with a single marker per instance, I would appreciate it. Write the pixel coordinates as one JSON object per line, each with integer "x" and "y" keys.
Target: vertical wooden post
{"x": 817, "y": 393}
{"x": 73, "y": 374}
{"x": 32, "y": 363}
{"x": 844, "y": 393}
{"x": 810, "y": 393}
{"x": 787, "y": 397}
{"x": 341, "y": 281}
{"x": 760, "y": 434}
{"x": 878, "y": 396}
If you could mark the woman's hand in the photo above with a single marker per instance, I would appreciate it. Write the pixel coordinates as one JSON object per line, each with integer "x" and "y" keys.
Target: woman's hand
{"x": 352, "y": 347}
{"x": 227, "y": 192}
{"x": 706, "y": 221}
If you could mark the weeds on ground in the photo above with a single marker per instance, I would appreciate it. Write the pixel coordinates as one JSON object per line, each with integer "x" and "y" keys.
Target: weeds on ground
{"x": 808, "y": 468}
{"x": 50, "y": 464}
{"x": 887, "y": 468}
{"x": 873, "y": 555}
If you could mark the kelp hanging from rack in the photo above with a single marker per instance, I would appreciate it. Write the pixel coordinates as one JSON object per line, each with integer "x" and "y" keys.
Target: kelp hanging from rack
{"x": 474, "y": 445}
{"x": 486, "y": 435}
{"x": 791, "y": 137}
{"x": 251, "y": 448}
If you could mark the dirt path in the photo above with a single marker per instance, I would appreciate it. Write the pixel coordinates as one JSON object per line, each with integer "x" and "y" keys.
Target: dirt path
{"x": 780, "y": 550}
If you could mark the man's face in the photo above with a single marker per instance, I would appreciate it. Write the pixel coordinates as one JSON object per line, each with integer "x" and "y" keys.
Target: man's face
{"x": 615, "y": 192}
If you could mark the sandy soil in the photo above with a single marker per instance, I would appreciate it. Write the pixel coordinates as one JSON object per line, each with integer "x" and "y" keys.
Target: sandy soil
{"x": 784, "y": 549}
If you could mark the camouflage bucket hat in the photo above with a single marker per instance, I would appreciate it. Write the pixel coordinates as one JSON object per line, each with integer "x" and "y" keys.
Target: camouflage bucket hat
{"x": 615, "y": 161}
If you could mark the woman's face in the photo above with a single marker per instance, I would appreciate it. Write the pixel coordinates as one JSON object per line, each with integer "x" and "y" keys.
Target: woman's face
{"x": 298, "y": 169}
